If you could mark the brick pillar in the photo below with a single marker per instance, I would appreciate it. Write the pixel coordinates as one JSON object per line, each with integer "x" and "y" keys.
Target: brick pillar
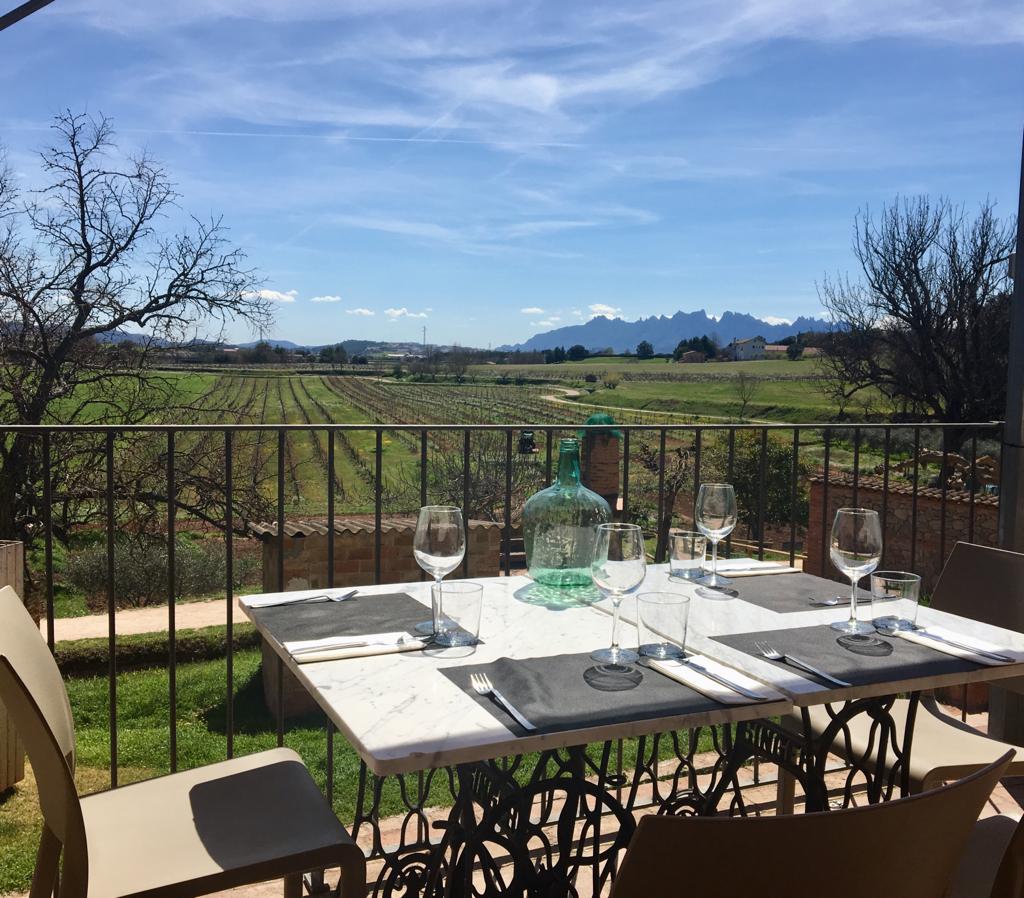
{"x": 600, "y": 465}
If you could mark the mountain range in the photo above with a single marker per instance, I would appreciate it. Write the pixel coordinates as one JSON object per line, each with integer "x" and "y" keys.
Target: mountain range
{"x": 664, "y": 332}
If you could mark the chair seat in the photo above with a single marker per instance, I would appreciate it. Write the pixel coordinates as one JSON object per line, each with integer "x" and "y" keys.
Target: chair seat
{"x": 943, "y": 748}
{"x": 236, "y": 822}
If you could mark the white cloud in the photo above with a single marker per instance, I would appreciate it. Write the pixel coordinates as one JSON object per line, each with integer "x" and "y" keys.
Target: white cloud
{"x": 395, "y": 314}
{"x": 773, "y": 319}
{"x": 600, "y": 308}
{"x": 364, "y": 312}
{"x": 576, "y": 313}
{"x": 532, "y": 310}
{"x": 274, "y": 295}
{"x": 548, "y": 322}
{"x": 325, "y": 299}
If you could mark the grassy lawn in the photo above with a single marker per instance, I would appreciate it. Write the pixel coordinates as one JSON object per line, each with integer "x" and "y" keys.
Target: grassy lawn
{"x": 571, "y": 370}
{"x": 796, "y": 401}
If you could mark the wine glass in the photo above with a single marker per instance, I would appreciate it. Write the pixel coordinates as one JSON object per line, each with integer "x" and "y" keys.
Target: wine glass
{"x": 618, "y": 568}
{"x": 856, "y": 550}
{"x": 715, "y": 516}
{"x": 439, "y": 547}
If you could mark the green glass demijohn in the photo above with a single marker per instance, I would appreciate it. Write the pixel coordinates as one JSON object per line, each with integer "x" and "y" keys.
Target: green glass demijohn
{"x": 560, "y": 525}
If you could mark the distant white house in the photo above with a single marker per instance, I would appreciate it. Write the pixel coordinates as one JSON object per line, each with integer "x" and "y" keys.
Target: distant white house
{"x": 746, "y": 350}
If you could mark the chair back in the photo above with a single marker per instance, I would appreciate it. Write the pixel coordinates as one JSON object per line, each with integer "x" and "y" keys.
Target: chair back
{"x": 33, "y": 693}
{"x": 909, "y": 847}
{"x": 984, "y": 584}
{"x": 1009, "y": 882}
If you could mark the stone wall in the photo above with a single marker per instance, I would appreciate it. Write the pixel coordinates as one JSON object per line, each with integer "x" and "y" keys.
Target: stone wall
{"x": 305, "y": 552}
{"x": 600, "y": 465}
{"x": 924, "y": 555}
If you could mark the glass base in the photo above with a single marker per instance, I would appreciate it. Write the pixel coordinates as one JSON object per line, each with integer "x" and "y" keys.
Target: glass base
{"x": 858, "y": 627}
{"x": 425, "y": 629}
{"x": 715, "y": 581}
{"x": 615, "y": 656}
{"x": 660, "y": 650}
{"x": 455, "y": 637}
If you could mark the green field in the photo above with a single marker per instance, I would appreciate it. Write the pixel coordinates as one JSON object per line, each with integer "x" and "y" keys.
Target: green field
{"x": 654, "y": 367}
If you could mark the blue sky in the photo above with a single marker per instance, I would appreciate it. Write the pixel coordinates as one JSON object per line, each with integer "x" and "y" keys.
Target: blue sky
{"x": 491, "y": 169}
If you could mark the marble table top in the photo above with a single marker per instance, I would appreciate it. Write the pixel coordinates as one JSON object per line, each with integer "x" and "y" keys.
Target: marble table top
{"x": 401, "y": 715}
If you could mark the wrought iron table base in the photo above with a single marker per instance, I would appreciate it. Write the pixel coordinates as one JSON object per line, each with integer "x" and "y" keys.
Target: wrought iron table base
{"x": 513, "y": 829}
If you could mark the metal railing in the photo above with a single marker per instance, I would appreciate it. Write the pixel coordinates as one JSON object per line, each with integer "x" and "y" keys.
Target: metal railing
{"x": 822, "y": 442}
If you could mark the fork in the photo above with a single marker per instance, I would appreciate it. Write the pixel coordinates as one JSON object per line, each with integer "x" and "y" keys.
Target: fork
{"x": 481, "y": 683}
{"x": 772, "y": 655}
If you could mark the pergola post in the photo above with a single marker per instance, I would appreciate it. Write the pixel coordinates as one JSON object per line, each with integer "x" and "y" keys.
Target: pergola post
{"x": 1006, "y": 705}
{"x": 1011, "y": 492}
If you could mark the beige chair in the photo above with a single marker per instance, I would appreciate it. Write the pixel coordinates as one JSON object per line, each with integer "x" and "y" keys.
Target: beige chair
{"x": 235, "y": 823}
{"x": 907, "y": 848}
{"x": 978, "y": 582}
{"x": 992, "y": 866}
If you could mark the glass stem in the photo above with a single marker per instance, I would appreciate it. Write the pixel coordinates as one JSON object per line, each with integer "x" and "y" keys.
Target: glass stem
{"x": 616, "y": 603}
{"x": 714, "y": 561}
{"x": 435, "y": 604}
{"x": 853, "y": 599}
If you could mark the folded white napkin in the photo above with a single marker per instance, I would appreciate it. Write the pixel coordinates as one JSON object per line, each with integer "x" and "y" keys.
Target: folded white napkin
{"x": 751, "y": 567}
{"x": 685, "y": 673}
{"x": 941, "y": 633}
{"x": 297, "y": 597}
{"x": 332, "y": 648}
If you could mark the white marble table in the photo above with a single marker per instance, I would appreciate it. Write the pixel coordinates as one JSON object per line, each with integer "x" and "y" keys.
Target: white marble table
{"x": 401, "y": 715}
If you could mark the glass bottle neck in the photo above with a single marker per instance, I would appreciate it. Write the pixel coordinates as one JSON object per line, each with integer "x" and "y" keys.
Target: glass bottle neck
{"x": 569, "y": 467}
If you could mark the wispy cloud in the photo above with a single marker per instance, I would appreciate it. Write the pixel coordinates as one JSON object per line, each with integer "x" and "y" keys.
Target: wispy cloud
{"x": 532, "y": 310}
{"x": 600, "y": 308}
{"x": 366, "y": 313}
{"x": 325, "y": 299}
{"x": 395, "y": 314}
{"x": 275, "y": 295}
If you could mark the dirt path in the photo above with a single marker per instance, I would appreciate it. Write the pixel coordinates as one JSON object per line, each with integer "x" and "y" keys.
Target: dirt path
{"x": 622, "y": 408}
{"x": 130, "y": 621}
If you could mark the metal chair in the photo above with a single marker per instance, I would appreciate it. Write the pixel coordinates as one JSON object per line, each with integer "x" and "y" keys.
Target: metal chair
{"x": 234, "y": 823}
{"x": 977, "y": 582}
{"x": 909, "y": 847}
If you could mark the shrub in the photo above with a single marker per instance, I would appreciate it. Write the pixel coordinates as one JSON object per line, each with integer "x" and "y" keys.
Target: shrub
{"x": 140, "y": 569}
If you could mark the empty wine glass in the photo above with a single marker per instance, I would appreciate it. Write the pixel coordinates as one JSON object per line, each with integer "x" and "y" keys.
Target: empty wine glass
{"x": 715, "y": 516}
{"x": 856, "y": 549}
{"x": 439, "y": 547}
{"x": 618, "y": 568}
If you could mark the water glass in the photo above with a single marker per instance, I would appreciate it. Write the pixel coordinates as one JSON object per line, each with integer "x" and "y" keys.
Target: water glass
{"x": 618, "y": 568}
{"x": 439, "y": 546}
{"x": 460, "y": 624}
{"x": 888, "y": 587}
{"x": 715, "y": 514}
{"x": 856, "y": 550}
{"x": 687, "y": 551}
{"x": 663, "y": 620}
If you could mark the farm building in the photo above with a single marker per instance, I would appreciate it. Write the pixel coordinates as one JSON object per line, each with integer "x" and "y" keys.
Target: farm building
{"x": 746, "y": 350}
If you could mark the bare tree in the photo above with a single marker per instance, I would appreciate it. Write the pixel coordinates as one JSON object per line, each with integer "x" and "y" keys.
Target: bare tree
{"x": 746, "y": 387}
{"x": 89, "y": 289}
{"x": 927, "y": 325}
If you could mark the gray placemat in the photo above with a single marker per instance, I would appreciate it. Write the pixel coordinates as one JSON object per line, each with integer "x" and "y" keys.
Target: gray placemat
{"x": 554, "y": 694}
{"x": 358, "y": 616}
{"x": 786, "y": 593}
{"x": 818, "y": 647}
